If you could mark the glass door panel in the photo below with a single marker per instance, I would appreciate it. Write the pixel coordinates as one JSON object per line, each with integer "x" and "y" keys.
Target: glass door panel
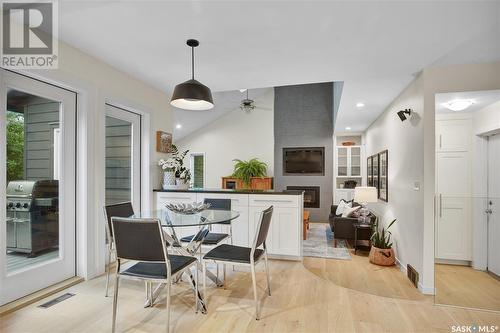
{"x": 342, "y": 161}
{"x": 37, "y": 198}
{"x": 355, "y": 161}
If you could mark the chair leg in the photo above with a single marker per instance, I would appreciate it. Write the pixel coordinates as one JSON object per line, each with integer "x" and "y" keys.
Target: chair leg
{"x": 196, "y": 289}
{"x": 224, "y": 275}
{"x": 267, "y": 274}
{"x": 254, "y": 282}
{"x": 150, "y": 293}
{"x": 169, "y": 283}
{"x": 108, "y": 271}
{"x": 204, "y": 266}
{"x": 115, "y": 301}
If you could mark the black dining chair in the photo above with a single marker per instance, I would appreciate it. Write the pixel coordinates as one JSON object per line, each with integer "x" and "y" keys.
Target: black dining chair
{"x": 213, "y": 238}
{"x": 228, "y": 254}
{"x": 122, "y": 209}
{"x": 142, "y": 240}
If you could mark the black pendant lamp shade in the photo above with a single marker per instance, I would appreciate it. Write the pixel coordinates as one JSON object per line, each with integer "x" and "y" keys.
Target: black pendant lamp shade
{"x": 192, "y": 94}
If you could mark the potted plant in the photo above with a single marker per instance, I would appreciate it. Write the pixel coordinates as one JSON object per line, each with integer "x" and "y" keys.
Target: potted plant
{"x": 381, "y": 252}
{"x": 245, "y": 170}
{"x": 175, "y": 174}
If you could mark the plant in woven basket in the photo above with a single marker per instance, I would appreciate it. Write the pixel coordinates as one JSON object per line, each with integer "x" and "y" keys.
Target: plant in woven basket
{"x": 382, "y": 238}
{"x": 245, "y": 170}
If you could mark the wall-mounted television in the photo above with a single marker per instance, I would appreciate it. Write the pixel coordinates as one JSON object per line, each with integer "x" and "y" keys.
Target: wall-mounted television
{"x": 304, "y": 161}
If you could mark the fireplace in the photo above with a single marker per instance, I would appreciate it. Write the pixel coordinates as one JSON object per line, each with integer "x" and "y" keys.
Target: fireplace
{"x": 311, "y": 195}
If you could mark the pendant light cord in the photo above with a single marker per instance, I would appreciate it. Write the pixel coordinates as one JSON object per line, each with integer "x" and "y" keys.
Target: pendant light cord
{"x": 192, "y": 63}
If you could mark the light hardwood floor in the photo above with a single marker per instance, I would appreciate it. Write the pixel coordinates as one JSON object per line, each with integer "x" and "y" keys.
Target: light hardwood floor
{"x": 316, "y": 295}
{"x": 465, "y": 286}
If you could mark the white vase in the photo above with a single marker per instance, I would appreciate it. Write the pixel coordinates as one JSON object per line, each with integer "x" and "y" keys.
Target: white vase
{"x": 168, "y": 179}
{"x": 181, "y": 183}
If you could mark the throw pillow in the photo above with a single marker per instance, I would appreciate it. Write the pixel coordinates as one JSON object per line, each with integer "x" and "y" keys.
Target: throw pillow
{"x": 349, "y": 211}
{"x": 342, "y": 206}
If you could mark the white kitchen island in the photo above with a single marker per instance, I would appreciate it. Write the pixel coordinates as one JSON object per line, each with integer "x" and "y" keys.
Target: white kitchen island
{"x": 284, "y": 240}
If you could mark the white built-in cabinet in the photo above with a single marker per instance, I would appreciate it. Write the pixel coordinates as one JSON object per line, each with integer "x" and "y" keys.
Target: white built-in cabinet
{"x": 284, "y": 239}
{"x": 348, "y": 166}
{"x": 453, "y": 189}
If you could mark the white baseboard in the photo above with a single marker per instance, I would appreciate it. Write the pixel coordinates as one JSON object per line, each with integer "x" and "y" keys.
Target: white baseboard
{"x": 453, "y": 262}
{"x": 401, "y": 265}
{"x": 426, "y": 290}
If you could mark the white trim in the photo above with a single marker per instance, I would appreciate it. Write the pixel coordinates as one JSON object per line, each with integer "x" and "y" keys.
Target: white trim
{"x": 426, "y": 290}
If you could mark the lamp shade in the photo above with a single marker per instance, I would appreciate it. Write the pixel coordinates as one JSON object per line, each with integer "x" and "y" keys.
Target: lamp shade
{"x": 192, "y": 95}
{"x": 365, "y": 194}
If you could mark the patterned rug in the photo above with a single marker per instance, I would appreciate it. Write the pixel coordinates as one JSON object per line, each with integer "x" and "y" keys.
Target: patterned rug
{"x": 319, "y": 243}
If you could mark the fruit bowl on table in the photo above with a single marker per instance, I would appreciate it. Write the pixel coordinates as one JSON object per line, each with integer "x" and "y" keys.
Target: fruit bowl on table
{"x": 187, "y": 209}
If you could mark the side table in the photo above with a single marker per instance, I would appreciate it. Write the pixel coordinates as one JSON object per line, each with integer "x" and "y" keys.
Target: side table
{"x": 362, "y": 236}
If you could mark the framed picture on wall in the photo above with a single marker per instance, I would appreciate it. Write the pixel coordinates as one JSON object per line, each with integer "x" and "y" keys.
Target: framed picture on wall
{"x": 383, "y": 179}
{"x": 369, "y": 171}
{"x": 163, "y": 142}
{"x": 375, "y": 172}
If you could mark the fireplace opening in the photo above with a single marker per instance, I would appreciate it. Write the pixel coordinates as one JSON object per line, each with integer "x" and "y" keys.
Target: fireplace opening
{"x": 311, "y": 195}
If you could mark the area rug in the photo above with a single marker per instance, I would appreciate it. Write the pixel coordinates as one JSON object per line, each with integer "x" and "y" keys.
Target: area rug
{"x": 319, "y": 243}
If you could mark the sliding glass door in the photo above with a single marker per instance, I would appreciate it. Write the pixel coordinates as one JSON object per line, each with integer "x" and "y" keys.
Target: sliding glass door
{"x": 37, "y": 185}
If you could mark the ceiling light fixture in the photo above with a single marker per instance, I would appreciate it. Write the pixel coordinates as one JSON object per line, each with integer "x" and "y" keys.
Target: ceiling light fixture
{"x": 247, "y": 104}
{"x": 192, "y": 94}
{"x": 347, "y": 128}
{"x": 178, "y": 126}
{"x": 242, "y": 90}
{"x": 458, "y": 104}
{"x": 360, "y": 105}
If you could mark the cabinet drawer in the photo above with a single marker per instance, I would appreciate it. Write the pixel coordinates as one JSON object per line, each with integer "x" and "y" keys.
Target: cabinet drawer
{"x": 236, "y": 199}
{"x": 263, "y": 200}
{"x": 163, "y": 198}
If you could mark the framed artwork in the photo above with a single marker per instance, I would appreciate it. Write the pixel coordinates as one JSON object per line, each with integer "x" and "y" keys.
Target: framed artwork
{"x": 163, "y": 142}
{"x": 383, "y": 179}
{"x": 369, "y": 171}
{"x": 375, "y": 172}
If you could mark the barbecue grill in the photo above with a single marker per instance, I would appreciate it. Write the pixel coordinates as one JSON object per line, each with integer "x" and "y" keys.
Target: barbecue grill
{"x": 32, "y": 216}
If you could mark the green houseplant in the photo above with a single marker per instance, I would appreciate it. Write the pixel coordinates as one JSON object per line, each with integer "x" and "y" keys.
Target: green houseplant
{"x": 245, "y": 170}
{"x": 381, "y": 252}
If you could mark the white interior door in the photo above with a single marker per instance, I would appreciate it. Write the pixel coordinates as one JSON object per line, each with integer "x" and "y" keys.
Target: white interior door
{"x": 123, "y": 156}
{"x": 494, "y": 204}
{"x": 453, "y": 229}
{"x": 37, "y": 209}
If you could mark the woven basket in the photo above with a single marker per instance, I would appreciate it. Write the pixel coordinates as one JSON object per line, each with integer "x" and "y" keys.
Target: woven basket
{"x": 382, "y": 257}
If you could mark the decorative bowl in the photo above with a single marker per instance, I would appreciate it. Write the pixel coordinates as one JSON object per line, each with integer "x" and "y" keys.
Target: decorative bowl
{"x": 348, "y": 143}
{"x": 187, "y": 209}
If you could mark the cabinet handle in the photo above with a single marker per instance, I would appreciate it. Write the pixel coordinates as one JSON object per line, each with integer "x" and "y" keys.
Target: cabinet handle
{"x": 176, "y": 198}
{"x": 440, "y": 141}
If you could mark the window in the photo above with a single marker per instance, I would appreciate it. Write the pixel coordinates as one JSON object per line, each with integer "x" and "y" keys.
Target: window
{"x": 197, "y": 166}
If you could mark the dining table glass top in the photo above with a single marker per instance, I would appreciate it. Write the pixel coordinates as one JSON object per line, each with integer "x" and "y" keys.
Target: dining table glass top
{"x": 206, "y": 217}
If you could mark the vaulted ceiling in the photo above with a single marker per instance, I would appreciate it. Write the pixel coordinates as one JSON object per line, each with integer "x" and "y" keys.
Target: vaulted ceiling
{"x": 375, "y": 47}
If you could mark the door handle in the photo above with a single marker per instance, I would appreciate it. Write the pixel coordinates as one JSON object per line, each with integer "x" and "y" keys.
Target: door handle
{"x": 440, "y": 205}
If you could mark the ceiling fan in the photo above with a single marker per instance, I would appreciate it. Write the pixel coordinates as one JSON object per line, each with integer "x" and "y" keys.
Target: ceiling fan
{"x": 247, "y": 104}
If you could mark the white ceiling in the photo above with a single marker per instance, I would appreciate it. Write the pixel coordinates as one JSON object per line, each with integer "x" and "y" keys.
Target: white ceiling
{"x": 374, "y": 47}
{"x": 481, "y": 100}
{"x": 225, "y": 102}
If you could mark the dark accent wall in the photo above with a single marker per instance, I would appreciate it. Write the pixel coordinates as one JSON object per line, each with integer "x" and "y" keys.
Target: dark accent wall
{"x": 303, "y": 117}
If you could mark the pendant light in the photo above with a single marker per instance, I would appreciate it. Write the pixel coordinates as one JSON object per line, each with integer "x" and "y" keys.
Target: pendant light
{"x": 247, "y": 104}
{"x": 192, "y": 94}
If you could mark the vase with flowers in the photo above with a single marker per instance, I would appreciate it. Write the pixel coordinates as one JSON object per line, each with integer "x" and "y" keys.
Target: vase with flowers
{"x": 175, "y": 173}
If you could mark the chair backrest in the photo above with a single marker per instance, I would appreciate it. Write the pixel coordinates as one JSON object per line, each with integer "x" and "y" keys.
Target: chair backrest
{"x": 139, "y": 239}
{"x": 123, "y": 209}
{"x": 263, "y": 228}
{"x": 218, "y": 204}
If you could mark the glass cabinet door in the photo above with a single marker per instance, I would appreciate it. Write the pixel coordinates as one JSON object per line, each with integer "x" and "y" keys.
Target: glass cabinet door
{"x": 342, "y": 161}
{"x": 355, "y": 161}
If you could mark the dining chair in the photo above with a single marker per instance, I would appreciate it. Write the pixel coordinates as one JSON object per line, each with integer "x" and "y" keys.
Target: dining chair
{"x": 243, "y": 256}
{"x": 122, "y": 209}
{"x": 213, "y": 238}
{"x": 142, "y": 240}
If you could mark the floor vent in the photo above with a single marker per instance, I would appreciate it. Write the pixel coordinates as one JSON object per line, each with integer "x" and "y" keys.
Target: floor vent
{"x": 56, "y": 300}
{"x": 412, "y": 275}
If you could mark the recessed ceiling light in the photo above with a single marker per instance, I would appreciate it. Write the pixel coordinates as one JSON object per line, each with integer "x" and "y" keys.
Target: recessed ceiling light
{"x": 347, "y": 128}
{"x": 178, "y": 126}
{"x": 458, "y": 104}
{"x": 360, "y": 104}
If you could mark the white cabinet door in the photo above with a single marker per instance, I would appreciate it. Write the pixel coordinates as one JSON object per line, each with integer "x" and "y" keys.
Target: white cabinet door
{"x": 347, "y": 195}
{"x": 454, "y": 218}
{"x": 284, "y": 235}
{"x": 453, "y": 135}
{"x": 163, "y": 198}
{"x": 253, "y": 221}
{"x": 240, "y": 227}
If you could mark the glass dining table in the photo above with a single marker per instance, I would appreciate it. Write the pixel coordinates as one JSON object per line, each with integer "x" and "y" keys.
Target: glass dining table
{"x": 172, "y": 222}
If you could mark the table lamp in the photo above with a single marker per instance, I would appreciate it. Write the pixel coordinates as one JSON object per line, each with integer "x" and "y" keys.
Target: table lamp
{"x": 365, "y": 195}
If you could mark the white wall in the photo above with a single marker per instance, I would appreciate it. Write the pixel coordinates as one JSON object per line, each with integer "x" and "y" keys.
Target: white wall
{"x": 97, "y": 83}
{"x": 235, "y": 135}
{"x": 404, "y": 142}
